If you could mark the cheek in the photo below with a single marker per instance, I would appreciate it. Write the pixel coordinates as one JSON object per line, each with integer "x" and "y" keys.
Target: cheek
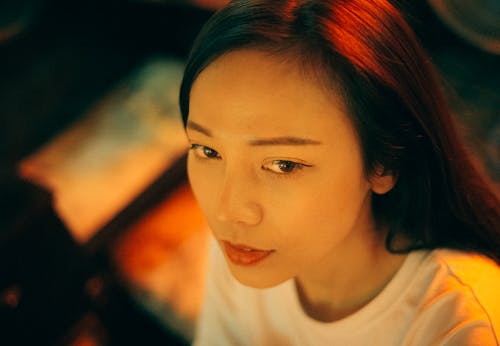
{"x": 201, "y": 181}
{"x": 327, "y": 207}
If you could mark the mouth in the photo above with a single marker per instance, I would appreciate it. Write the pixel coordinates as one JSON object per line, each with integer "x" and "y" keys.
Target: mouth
{"x": 245, "y": 255}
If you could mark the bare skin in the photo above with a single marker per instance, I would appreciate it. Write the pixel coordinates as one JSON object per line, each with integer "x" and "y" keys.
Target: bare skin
{"x": 276, "y": 165}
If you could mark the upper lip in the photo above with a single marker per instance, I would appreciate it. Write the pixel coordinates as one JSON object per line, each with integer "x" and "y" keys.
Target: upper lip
{"x": 244, "y": 247}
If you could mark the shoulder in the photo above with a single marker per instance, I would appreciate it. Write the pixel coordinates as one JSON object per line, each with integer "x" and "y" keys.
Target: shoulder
{"x": 477, "y": 277}
{"x": 458, "y": 299}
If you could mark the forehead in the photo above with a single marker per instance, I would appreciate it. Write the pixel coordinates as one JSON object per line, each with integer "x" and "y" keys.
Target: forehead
{"x": 252, "y": 92}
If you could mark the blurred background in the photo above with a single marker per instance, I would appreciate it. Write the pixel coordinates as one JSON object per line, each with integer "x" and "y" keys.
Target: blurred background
{"x": 101, "y": 241}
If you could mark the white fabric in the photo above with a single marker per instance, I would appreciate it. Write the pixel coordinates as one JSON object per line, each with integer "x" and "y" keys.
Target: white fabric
{"x": 439, "y": 297}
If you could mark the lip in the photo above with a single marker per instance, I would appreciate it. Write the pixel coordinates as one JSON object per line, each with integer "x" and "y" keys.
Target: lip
{"x": 244, "y": 255}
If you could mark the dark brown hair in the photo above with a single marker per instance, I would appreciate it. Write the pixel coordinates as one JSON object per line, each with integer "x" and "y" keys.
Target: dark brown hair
{"x": 395, "y": 102}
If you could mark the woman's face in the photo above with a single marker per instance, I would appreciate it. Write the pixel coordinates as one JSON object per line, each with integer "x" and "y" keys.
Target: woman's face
{"x": 277, "y": 169}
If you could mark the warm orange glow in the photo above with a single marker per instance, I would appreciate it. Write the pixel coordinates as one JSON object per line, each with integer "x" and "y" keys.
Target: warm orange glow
{"x": 355, "y": 25}
{"x": 162, "y": 230}
{"x": 165, "y": 253}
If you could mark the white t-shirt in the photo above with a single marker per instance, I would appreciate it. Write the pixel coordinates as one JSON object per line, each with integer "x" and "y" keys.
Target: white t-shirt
{"x": 439, "y": 297}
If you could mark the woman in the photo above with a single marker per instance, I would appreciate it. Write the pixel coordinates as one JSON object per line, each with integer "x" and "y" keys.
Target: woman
{"x": 344, "y": 207}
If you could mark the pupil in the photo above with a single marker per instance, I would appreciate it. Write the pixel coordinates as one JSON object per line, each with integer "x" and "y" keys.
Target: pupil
{"x": 209, "y": 152}
{"x": 286, "y": 166}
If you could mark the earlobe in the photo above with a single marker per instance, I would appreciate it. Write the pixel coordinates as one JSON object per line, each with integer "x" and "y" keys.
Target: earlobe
{"x": 383, "y": 181}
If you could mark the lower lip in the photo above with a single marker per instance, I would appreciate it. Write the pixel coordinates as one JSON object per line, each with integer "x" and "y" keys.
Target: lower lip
{"x": 244, "y": 256}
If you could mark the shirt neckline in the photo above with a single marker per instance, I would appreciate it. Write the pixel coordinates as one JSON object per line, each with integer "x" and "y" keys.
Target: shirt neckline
{"x": 371, "y": 312}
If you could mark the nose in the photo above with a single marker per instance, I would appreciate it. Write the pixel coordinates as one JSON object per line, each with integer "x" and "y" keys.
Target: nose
{"x": 237, "y": 202}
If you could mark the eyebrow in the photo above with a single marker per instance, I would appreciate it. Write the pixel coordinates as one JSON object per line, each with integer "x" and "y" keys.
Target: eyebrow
{"x": 198, "y": 128}
{"x": 284, "y": 140}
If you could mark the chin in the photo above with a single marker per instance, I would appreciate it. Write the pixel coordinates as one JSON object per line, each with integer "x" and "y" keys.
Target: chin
{"x": 252, "y": 277}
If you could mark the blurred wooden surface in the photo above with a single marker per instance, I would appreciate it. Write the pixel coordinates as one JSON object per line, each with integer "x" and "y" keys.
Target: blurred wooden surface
{"x": 115, "y": 150}
{"x": 163, "y": 258}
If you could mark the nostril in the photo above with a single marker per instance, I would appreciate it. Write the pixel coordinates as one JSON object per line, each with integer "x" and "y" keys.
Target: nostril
{"x": 246, "y": 213}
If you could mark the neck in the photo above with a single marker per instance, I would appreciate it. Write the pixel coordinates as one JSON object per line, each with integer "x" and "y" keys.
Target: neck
{"x": 341, "y": 287}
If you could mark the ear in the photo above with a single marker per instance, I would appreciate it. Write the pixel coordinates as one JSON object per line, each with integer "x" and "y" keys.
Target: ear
{"x": 382, "y": 181}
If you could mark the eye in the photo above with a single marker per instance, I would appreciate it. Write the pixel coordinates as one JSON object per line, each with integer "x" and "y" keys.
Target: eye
{"x": 283, "y": 166}
{"x": 205, "y": 152}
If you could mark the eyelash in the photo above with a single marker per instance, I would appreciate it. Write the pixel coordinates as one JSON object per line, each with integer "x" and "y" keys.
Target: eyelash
{"x": 201, "y": 152}
{"x": 295, "y": 167}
